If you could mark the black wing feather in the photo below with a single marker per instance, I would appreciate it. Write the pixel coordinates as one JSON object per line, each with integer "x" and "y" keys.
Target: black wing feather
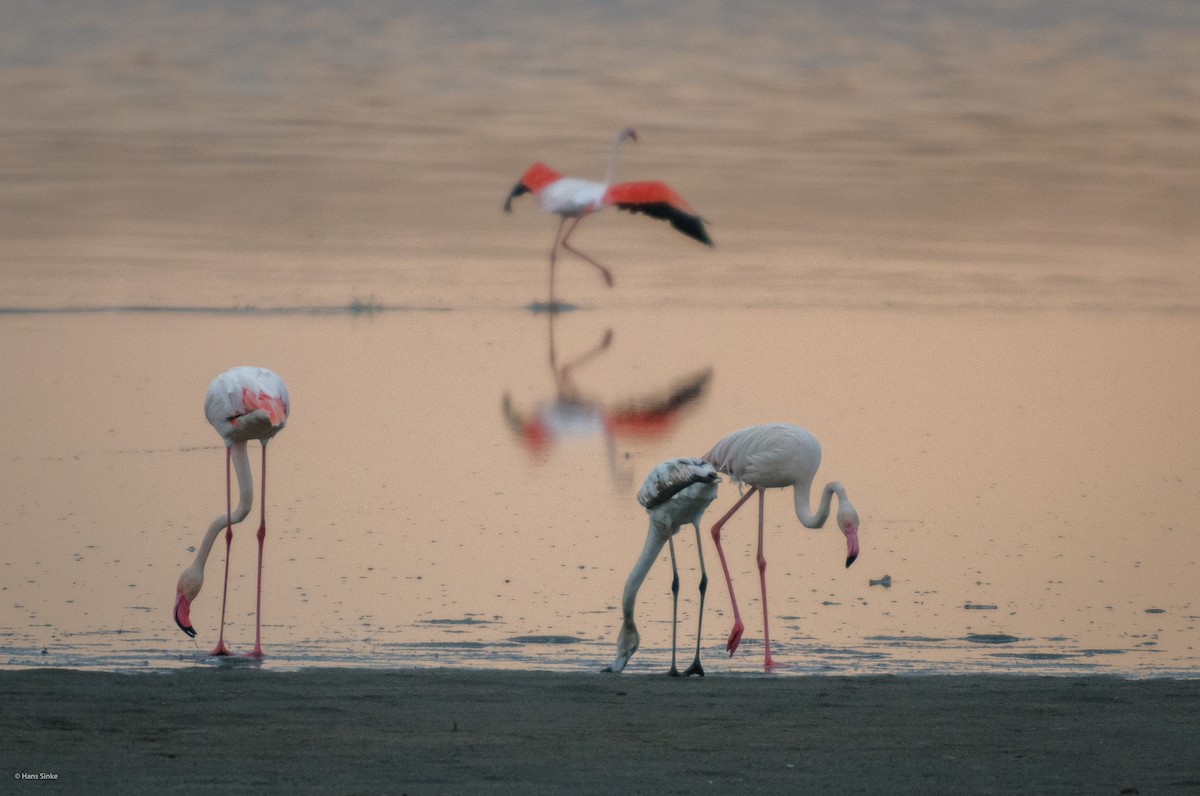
{"x": 688, "y": 224}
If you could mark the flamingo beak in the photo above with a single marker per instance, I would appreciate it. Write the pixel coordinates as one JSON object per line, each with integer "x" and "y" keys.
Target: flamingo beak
{"x": 517, "y": 190}
{"x": 182, "y": 614}
{"x": 851, "y": 547}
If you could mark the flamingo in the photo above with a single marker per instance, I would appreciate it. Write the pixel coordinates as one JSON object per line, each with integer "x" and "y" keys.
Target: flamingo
{"x": 674, "y": 493}
{"x": 768, "y": 456}
{"x": 573, "y": 198}
{"x": 242, "y": 404}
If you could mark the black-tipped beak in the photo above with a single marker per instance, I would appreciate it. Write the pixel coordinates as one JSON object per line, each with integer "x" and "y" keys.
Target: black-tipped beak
{"x": 182, "y": 614}
{"x": 517, "y": 190}
{"x": 850, "y": 560}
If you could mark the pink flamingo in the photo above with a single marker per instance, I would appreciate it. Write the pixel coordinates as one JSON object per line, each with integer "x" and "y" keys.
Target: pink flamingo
{"x": 242, "y": 404}
{"x": 769, "y": 456}
{"x": 574, "y": 198}
{"x": 674, "y": 493}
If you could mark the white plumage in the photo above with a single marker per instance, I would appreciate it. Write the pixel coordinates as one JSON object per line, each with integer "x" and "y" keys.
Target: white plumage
{"x": 768, "y": 456}
{"x": 242, "y": 404}
{"x": 246, "y": 403}
{"x": 572, "y": 197}
{"x": 771, "y": 456}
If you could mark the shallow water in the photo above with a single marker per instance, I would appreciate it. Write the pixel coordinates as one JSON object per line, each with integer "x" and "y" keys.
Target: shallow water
{"x": 958, "y": 247}
{"x": 1022, "y": 475}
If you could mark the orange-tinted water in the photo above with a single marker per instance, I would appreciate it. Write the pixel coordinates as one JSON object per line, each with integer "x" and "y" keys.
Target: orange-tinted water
{"x": 1040, "y": 463}
{"x": 959, "y": 248}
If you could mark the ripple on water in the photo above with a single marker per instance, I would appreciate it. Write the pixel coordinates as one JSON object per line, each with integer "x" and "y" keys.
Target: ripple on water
{"x": 1036, "y": 656}
{"x": 990, "y": 638}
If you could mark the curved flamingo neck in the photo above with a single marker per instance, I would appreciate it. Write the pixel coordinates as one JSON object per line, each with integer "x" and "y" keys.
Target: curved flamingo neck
{"x": 807, "y": 518}
{"x": 241, "y": 466}
{"x": 612, "y": 159}
{"x": 654, "y": 545}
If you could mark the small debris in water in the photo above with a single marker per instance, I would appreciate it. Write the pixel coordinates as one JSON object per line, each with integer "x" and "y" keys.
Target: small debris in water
{"x": 1156, "y": 610}
{"x": 885, "y": 582}
{"x": 977, "y": 607}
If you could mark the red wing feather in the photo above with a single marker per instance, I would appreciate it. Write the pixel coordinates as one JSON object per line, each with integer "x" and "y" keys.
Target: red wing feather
{"x": 535, "y": 178}
{"x": 538, "y": 176}
{"x": 658, "y": 200}
{"x": 645, "y": 193}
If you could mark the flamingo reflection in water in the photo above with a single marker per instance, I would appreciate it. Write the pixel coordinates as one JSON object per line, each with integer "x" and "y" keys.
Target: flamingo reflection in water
{"x": 571, "y": 415}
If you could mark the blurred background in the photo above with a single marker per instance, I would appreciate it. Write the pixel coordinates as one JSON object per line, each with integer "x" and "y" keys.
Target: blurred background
{"x": 921, "y": 153}
{"x": 958, "y": 241}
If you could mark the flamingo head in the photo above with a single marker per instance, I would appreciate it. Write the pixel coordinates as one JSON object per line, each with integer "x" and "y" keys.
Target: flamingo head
{"x": 185, "y": 592}
{"x": 627, "y": 644}
{"x": 848, "y": 522}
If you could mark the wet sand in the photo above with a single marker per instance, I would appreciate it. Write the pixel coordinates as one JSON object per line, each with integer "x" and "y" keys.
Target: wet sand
{"x": 438, "y": 731}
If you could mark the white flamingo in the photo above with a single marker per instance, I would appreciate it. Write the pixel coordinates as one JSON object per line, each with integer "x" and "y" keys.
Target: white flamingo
{"x": 768, "y": 456}
{"x": 242, "y": 404}
{"x": 574, "y": 198}
{"x": 674, "y": 493}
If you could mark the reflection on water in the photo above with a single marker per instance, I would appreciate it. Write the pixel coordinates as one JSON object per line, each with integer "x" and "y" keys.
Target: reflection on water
{"x": 958, "y": 245}
{"x": 1025, "y": 480}
{"x": 573, "y": 416}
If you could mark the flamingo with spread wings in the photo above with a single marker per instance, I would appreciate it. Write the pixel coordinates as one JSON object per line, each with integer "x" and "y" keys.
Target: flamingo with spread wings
{"x": 573, "y": 198}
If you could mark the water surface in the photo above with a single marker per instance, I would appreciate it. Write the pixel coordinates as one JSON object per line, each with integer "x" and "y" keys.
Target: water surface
{"x": 1023, "y": 478}
{"x": 959, "y": 246}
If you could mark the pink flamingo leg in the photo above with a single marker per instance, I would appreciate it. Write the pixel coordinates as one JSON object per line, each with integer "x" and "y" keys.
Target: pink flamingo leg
{"x": 221, "y": 649}
{"x": 608, "y": 277}
{"x": 554, "y": 258}
{"x": 735, "y": 635}
{"x": 262, "y": 534}
{"x": 768, "y": 663}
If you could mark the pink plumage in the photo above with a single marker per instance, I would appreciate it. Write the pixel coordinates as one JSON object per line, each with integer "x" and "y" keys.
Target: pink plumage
{"x": 242, "y": 404}
{"x": 772, "y": 456}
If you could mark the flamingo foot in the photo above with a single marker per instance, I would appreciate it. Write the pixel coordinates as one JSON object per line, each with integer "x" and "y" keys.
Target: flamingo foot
{"x": 256, "y": 654}
{"x": 770, "y": 664}
{"x": 220, "y": 650}
{"x": 695, "y": 668}
{"x": 674, "y": 672}
{"x": 735, "y": 638}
